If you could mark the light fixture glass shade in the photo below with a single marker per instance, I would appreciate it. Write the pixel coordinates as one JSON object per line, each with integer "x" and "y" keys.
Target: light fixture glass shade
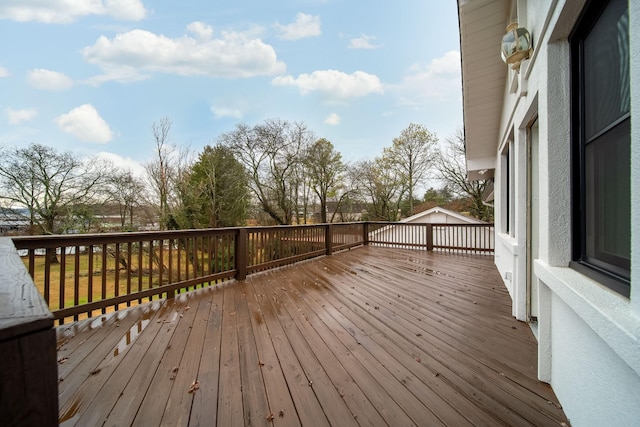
{"x": 516, "y": 45}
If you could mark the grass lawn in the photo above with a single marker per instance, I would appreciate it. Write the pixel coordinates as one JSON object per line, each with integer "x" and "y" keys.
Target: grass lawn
{"x": 101, "y": 277}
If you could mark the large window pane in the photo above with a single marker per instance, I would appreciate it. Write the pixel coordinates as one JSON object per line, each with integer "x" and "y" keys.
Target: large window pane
{"x": 602, "y": 143}
{"x": 607, "y": 198}
{"x": 606, "y": 69}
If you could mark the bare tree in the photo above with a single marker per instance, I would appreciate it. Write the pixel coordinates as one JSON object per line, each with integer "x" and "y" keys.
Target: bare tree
{"x": 453, "y": 172}
{"x": 381, "y": 186}
{"x": 49, "y": 184}
{"x": 167, "y": 171}
{"x": 271, "y": 153}
{"x": 161, "y": 168}
{"x": 412, "y": 153}
{"x": 326, "y": 170}
{"x": 126, "y": 191}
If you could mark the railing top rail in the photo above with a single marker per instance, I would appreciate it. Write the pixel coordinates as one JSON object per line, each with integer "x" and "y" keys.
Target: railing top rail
{"x": 57, "y": 240}
{"x": 280, "y": 227}
{"x": 421, "y": 224}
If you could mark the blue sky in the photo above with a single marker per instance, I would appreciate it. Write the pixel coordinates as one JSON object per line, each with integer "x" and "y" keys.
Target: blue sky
{"x": 92, "y": 76}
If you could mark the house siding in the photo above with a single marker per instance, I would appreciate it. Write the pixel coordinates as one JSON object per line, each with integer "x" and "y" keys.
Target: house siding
{"x": 588, "y": 336}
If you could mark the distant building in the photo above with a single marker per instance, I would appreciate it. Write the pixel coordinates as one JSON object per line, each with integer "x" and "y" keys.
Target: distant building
{"x": 13, "y": 221}
{"x": 440, "y": 215}
{"x": 444, "y": 232}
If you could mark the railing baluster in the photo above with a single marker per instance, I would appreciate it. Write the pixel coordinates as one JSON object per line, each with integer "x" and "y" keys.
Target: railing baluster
{"x": 202, "y": 259}
{"x": 160, "y": 261}
{"x": 209, "y": 257}
{"x": 170, "y": 261}
{"x": 32, "y": 263}
{"x": 187, "y": 257}
{"x": 116, "y": 280}
{"x": 151, "y": 256}
{"x": 62, "y": 264}
{"x": 129, "y": 247}
{"x": 140, "y": 252}
{"x": 90, "y": 277}
{"x": 103, "y": 294}
{"x": 179, "y": 257}
{"x": 47, "y": 275}
{"x": 76, "y": 278}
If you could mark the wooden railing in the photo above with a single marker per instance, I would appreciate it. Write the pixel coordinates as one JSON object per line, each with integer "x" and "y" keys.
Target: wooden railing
{"x": 83, "y": 275}
{"x": 29, "y": 377}
{"x": 467, "y": 238}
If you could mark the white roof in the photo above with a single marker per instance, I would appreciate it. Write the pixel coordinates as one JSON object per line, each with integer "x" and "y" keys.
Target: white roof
{"x": 438, "y": 210}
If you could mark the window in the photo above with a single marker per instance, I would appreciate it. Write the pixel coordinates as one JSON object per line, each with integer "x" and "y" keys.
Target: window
{"x": 601, "y": 143}
{"x": 508, "y": 199}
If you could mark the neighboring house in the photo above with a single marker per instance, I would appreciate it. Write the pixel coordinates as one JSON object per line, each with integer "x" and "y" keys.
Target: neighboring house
{"x": 13, "y": 221}
{"x": 438, "y": 215}
{"x": 561, "y": 142}
{"x": 445, "y": 233}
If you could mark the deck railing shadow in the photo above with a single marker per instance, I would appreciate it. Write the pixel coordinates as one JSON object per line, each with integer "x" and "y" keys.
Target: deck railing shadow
{"x": 81, "y": 276}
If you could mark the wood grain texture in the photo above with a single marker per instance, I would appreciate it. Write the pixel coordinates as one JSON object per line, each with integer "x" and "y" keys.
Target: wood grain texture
{"x": 28, "y": 375}
{"x": 22, "y": 309}
{"x": 370, "y": 336}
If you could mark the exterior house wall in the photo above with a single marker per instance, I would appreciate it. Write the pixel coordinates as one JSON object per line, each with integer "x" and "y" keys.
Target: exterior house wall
{"x": 588, "y": 336}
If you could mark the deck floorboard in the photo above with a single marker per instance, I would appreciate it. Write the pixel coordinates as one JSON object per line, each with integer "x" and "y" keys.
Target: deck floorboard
{"x": 368, "y": 336}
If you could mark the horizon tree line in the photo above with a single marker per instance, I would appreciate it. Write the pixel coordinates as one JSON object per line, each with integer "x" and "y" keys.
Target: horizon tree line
{"x": 274, "y": 172}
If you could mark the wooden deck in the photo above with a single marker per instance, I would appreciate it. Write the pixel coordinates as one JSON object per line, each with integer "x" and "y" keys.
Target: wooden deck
{"x": 369, "y": 337}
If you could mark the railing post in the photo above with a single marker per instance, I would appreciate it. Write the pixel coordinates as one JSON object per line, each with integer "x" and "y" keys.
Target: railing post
{"x": 430, "y": 237}
{"x": 241, "y": 254}
{"x": 29, "y": 378}
{"x": 365, "y": 233}
{"x": 328, "y": 238}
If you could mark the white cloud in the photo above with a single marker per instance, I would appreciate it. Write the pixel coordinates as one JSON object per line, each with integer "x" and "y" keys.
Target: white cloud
{"x": 124, "y": 163}
{"x": 137, "y": 52}
{"x": 126, "y": 10}
{"x": 222, "y": 112}
{"x": 332, "y": 119}
{"x": 18, "y": 116}
{"x": 447, "y": 65}
{"x": 123, "y": 75}
{"x": 363, "y": 42}
{"x": 85, "y": 123}
{"x": 438, "y": 79}
{"x": 334, "y": 84}
{"x": 4, "y": 72}
{"x": 304, "y": 26}
{"x": 200, "y": 30}
{"x": 65, "y": 11}
{"x": 48, "y": 80}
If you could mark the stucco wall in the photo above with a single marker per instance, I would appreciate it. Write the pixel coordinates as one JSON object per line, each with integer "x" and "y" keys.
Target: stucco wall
{"x": 588, "y": 336}
{"x": 591, "y": 381}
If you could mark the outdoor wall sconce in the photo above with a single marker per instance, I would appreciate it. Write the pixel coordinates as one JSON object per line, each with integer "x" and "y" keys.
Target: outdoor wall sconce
{"x": 516, "y": 45}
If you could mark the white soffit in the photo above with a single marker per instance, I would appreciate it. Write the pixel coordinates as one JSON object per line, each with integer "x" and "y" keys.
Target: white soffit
{"x": 482, "y": 25}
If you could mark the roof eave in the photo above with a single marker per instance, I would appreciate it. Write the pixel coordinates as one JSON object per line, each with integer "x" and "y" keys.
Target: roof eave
{"x": 482, "y": 24}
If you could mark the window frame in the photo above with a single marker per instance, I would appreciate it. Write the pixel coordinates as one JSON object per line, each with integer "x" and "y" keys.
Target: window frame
{"x": 597, "y": 270}
{"x": 508, "y": 188}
